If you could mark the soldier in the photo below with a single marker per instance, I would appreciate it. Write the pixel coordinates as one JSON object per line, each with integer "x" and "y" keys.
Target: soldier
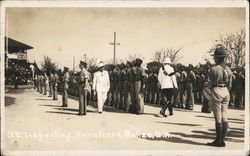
{"x": 41, "y": 83}
{"x": 176, "y": 102}
{"x": 126, "y": 87}
{"x": 132, "y": 71}
{"x": 190, "y": 88}
{"x": 139, "y": 87}
{"x": 65, "y": 87}
{"x": 84, "y": 88}
{"x": 50, "y": 84}
{"x": 112, "y": 85}
{"x": 239, "y": 89}
{"x": 182, "y": 85}
{"x": 220, "y": 82}
{"x": 45, "y": 83}
{"x": 101, "y": 85}
{"x": 119, "y": 84}
{"x": 54, "y": 81}
{"x": 35, "y": 82}
{"x": 167, "y": 81}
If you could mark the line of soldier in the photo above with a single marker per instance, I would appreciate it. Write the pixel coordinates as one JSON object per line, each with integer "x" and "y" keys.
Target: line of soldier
{"x": 46, "y": 83}
{"x": 131, "y": 86}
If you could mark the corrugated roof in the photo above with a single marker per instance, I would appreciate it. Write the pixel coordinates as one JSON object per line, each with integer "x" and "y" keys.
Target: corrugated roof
{"x": 15, "y": 46}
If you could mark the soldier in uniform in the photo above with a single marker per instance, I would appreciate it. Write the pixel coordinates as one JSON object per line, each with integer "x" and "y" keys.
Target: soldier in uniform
{"x": 190, "y": 88}
{"x": 45, "y": 83}
{"x": 50, "y": 84}
{"x": 239, "y": 89}
{"x": 220, "y": 82}
{"x": 65, "y": 87}
{"x": 139, "y": 87}
{"x": 126, "y": 87}
{"x": 176, "y": 102}
{"x": 54, "y": 81}
{"x": 132, "y": 71}
{"x": 182, "y": 87}
{"x": 84, "y": 88}
{"x": 41, "y": 83}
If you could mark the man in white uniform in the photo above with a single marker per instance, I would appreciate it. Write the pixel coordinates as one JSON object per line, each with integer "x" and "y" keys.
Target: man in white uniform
{"x": 167, "y": 80}
{"x": 101, "y": 85}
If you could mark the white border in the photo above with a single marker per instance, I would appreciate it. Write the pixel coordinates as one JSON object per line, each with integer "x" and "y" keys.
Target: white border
{"x": 131, "y": 4}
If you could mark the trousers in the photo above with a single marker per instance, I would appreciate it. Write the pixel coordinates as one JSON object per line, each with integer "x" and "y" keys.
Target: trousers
{"x": 101, "y": 98}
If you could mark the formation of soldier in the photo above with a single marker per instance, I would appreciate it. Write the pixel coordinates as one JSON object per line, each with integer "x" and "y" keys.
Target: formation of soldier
{"x": 131, "y": 86}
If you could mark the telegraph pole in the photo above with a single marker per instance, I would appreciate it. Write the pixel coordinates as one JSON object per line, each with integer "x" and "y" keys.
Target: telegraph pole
{"x": 114, "y": 44}
{"x": 74, "y": 64}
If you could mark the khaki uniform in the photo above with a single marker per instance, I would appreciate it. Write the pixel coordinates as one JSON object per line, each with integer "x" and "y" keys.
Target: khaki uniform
{"x": 65, "y": 89}
{"x": 220, "y": 75}
{"x": 54, "y": 81}
{"x": 190, "y": 90}
{"x": 84, "y": 89}
{"x": 139, "y": 99}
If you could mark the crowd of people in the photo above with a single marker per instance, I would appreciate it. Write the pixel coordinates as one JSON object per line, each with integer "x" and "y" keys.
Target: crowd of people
{"x": 18, "y": 74}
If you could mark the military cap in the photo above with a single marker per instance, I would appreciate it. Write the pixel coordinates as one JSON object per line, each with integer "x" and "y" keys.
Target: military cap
{"x": 219, "y": 52}
{"x": 66, "y": 68}
{"x": 83, "y": 63}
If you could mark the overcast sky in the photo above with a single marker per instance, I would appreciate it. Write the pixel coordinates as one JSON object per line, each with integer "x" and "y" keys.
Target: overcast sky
{"x": 62, "y": 33}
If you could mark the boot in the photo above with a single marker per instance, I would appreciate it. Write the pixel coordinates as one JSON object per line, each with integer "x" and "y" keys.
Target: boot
{"x": 224, "y": 133}
{"x": 217, "y": 141}
{"x": 163, "y": 110}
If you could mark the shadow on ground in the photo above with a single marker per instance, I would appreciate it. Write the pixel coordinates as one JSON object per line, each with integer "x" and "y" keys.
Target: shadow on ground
{"x": 180, "y": 124}
{"x": 9, "y": 100}
{"x": 174, "y": 139}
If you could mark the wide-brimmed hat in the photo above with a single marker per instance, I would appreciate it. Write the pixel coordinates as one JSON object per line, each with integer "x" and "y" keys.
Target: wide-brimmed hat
{"x": 219, "y": 52}
{"x": 167, "y": 60}
{"x": 100, "y": 65}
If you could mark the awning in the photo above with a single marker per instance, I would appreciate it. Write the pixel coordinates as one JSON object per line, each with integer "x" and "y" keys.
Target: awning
{"x": 15, "y": 46}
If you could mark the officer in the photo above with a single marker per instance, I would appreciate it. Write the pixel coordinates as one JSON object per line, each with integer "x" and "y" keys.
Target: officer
{"x": 167, "y": 81}
{"x": 65, "y": 87}
{"x": 101, "y": 85}
{"x": 220, "y": 82}
{"x": 191, "y": 79}
{"x": 84, "y": 88}
{"x": 139, "y": 87}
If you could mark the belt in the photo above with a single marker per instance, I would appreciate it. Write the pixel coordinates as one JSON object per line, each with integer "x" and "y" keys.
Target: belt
{"x": 219, "y": 85}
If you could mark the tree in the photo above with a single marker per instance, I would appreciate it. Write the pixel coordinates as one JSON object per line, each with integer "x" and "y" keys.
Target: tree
{"x": 48, "y": 65}
{"x": 235, "y": 45}
{"x": 172, "y": 53}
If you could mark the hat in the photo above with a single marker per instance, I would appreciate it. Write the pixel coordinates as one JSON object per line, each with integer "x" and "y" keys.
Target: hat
{"x": 100, "y": 65}
{"x": 167, "y": 60}
{"x": 83, "y": 63}
{"x": 219, "y": 52}
{"x": 66, "y": 68}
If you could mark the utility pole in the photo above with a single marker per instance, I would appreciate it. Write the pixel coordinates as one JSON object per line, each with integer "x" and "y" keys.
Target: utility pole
{"x": 85, "y": 58}
{"x": 114, "y": 44}
{"x": 74, "y": 64}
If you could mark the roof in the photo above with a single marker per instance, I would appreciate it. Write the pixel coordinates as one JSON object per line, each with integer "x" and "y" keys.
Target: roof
{"x": 15, "y": 46}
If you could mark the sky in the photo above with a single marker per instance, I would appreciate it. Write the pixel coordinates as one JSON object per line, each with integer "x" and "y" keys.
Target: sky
{"x": 65, "y": 33}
